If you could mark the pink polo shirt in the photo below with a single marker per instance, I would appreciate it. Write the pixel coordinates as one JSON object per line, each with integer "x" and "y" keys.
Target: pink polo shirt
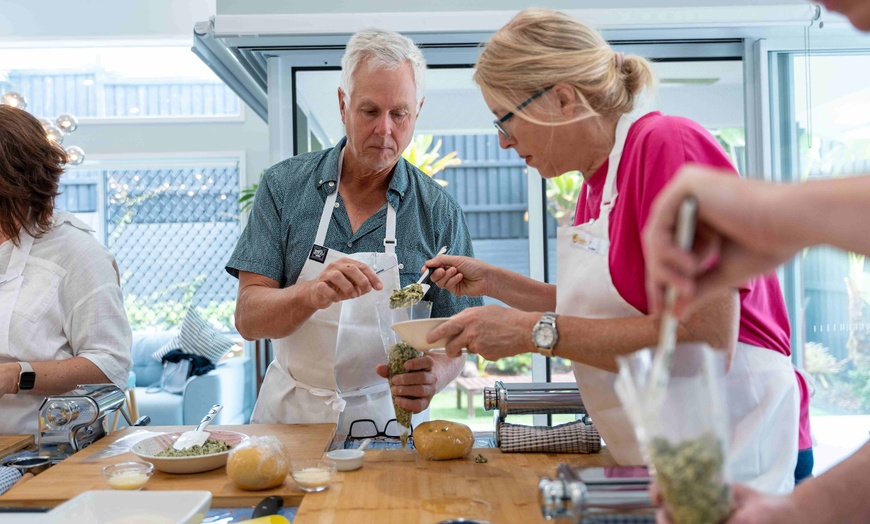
{"x": 656, "y": 147}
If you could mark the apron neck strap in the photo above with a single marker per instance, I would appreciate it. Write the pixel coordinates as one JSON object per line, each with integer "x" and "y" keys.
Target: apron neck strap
{"x": 329, "y": 206}
{"x": 610, "y": 193}
{"x": 390, "y": 236}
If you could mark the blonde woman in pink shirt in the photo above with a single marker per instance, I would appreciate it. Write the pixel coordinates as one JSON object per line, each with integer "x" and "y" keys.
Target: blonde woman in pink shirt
{"x": 564, "y": 100}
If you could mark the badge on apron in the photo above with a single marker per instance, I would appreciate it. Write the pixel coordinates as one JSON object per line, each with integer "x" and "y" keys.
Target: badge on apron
{"x": 583, "y": 240}
{"x": 318, "y": 253}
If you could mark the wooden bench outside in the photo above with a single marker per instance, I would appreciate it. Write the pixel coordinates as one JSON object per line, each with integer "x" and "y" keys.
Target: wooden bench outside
{"x": 473, "y": 385}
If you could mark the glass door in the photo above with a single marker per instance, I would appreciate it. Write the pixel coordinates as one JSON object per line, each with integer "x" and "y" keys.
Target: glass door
{"x": 822, "y": 130}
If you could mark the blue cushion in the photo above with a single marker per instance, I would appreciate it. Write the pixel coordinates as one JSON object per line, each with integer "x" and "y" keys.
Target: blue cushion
{"x": 197, "y": 337}
{"x": 165, "y": 409}
{"x": 147, "y": 369}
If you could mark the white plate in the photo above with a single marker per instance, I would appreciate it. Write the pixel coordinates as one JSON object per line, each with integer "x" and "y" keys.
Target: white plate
{"x": 414, "y": 332}
{"x": 150, "y": 447}
{"x": 132, "y": 507}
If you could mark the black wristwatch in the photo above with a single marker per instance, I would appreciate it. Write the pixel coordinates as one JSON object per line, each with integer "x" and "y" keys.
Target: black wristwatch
{"x": 545, "y": 335}
{"x": 27, "y": 378}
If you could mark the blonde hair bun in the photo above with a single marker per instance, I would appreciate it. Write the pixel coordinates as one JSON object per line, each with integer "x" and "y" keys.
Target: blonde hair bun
{"x": 541, "y": 47}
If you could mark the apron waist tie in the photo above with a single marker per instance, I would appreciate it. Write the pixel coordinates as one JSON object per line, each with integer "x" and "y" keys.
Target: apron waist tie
{"x": 336, "y": 399}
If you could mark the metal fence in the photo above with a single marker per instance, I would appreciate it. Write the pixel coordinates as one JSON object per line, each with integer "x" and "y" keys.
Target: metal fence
{"x": 825, "y": 270}
{"x": 171, "y": 231}
{"x": 491, "y": 185}
{"x": 91, "y": 94}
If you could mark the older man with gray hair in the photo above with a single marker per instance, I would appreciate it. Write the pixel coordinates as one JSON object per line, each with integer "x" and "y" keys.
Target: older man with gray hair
{"x": 321, "y": 225}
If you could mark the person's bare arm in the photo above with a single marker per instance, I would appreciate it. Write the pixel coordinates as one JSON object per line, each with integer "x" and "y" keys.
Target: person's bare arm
{"x": 496, "y": 332}
{"x": 52, "y": 378}
{"x": 265, "y": 310}
{"x": 747, "y": 228}
{"x": 597, "y": 342}
{"x": 465, "y": 276}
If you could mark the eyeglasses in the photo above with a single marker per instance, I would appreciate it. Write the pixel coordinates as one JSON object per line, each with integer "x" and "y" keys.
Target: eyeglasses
{"x": 368, "y": 428}
{"x": 499, "y": 121}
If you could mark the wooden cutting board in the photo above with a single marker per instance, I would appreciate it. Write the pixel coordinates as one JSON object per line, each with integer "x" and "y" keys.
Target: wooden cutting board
{"x": 73, "y": 476}
{"x": 11, "y": 443}
{"x": 401, "y": 486}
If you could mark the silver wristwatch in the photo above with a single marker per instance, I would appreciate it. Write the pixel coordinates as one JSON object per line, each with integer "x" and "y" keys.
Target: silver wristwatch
{"x": 545, "y": 335}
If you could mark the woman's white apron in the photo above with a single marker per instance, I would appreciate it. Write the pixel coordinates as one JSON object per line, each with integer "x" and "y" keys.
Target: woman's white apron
{"x": 762, "y": 394}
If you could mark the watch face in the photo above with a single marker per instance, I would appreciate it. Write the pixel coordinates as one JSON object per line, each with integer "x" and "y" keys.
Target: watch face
{"x": 27, "y": 380}
{"x": 544, "y": 337}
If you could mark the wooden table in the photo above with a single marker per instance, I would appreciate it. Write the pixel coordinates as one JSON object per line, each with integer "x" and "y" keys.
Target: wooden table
{"x": 11, "y": 443}
{"x": 401, "y": 486}
{"x": 74, "y": 476}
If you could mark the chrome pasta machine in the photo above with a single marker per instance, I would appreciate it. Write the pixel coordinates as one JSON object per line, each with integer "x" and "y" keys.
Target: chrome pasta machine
{"x": 73, "y": 421}
{"x": 542, "y": 398}
{"x": 591, "y": 495}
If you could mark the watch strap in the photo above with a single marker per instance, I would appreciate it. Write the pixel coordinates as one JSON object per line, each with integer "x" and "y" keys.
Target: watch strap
{"x": 548, "y": 319}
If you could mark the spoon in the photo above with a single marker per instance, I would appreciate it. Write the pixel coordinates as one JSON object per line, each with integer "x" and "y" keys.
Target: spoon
{"x": 425, "y": 287}
{"x": 198, "y": 436}
{"x": 365, "y": 443}
{"x": 661, "y": 365}
{"x": 404, "y": 298}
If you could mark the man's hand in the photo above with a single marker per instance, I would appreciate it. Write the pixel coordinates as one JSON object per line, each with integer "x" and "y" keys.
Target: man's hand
{"x": 343, "y": 279}
{"x": 413, "y": 390}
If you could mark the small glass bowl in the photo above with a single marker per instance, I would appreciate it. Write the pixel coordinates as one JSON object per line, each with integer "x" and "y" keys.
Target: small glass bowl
{"x": 313, "y": 475}
{"x": 130, "y": 476}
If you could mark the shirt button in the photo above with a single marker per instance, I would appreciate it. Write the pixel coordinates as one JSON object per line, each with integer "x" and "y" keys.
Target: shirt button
{"x": 401, "y": 266}
{"x": 331, "y": 184}
{"x": 337, "y": 205}
{"x": 350, "y": 244}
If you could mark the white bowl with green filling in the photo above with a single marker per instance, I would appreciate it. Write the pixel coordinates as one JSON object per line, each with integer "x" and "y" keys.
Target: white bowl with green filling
{"x": 211, "y": 455}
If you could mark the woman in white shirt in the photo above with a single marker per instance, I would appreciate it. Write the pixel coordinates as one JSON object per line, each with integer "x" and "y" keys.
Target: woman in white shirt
{"x": 62, "y": 319}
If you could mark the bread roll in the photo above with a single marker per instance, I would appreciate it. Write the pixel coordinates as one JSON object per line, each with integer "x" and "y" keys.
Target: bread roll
{"x": 443, "y": 440}
{"x": 258, "y": 463}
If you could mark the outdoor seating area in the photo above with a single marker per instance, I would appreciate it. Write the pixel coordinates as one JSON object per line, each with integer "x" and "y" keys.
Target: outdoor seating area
{"x": 471, "y": 386}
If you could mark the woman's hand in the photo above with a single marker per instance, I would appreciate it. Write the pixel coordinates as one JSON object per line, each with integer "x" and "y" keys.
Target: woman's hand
{"x": 731, "y": 244}
{"x": 493, "y": 332}
{"x": 462, "y": 276}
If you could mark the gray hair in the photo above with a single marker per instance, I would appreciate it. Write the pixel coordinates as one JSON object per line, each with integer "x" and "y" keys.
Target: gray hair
{"x": 382, "y": 50}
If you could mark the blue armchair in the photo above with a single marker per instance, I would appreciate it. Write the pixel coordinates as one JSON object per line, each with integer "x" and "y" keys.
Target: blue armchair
{"x": 230, "y": 384}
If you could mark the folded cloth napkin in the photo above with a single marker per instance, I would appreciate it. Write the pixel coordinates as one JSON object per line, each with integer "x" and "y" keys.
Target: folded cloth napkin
{"x": 8, "y": 478}
{"x": 573, "y": 437}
